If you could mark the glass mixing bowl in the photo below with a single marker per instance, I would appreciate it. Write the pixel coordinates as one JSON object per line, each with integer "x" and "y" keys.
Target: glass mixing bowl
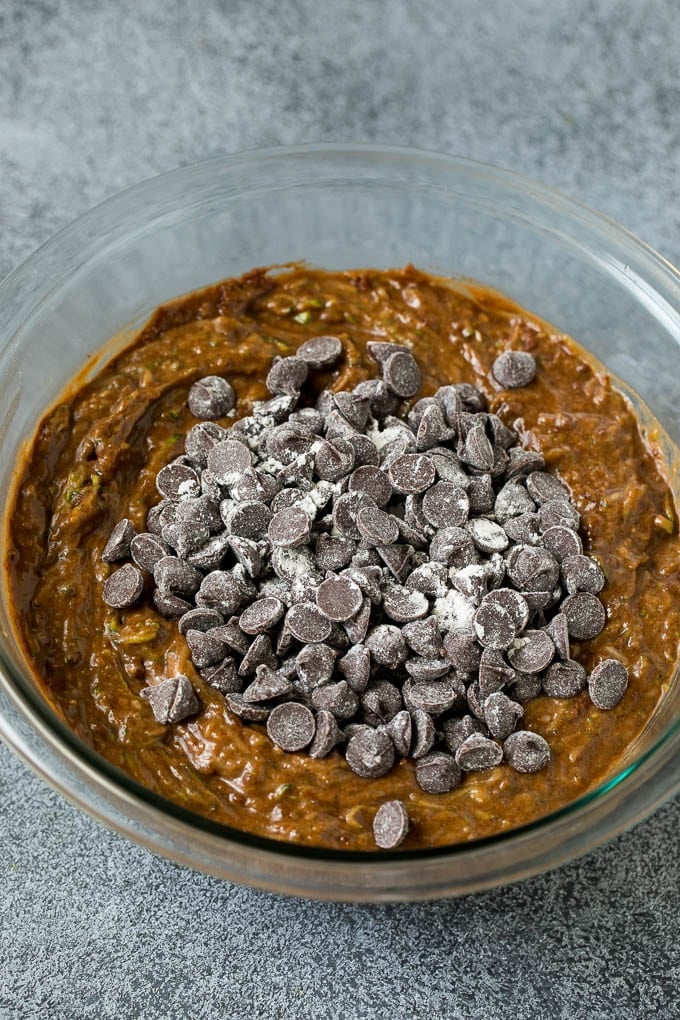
{"x": 337, "y": 206}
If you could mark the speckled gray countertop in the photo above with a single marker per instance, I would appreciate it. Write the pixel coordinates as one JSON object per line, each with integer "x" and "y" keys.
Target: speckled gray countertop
{"x": 94, "y": 97}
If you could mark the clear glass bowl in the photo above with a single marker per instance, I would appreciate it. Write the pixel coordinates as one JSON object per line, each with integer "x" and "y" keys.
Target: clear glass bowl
{"x": 336, "y": 206}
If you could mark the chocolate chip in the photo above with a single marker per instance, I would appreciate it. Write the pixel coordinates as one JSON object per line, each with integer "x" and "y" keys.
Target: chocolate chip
{"x": 328, "y": 735}
{"x": 200, "y": 619}
{"x": 512, "y": 501}
{"x": 401, "y": 374}
{"x": 291, "y": 726}
{"x": 261, "y": 615}
{"x": 337, "y": 698}
{"x": 514, "y": 369}
{"x": 412, "y": 472}
{"x": 432, "y": 429}
{"x": 321, "y": 352}
{"x": 456, "y": 731}
{"x": 478, "y": 753}
{"x": 289, "y": 528}
{"x": 377, "y": 527}
{"x": 285, "y": 442}
{"x": 404, "y": 605}
{"x": 155, "y": 518}
{"x": 246, "y": 552}
{"x": 289, "y": 564}
{"x": 172, "y": 700}
{"x": 532, "y": 569}
{"x": 381, "y": 351}
{"x": 564, "y": 679}
{"x": 247, "y": 710}
{"x": 386, "y": 645}
{"x": 357, "y": 628}
{"x": 477, "y": 449}
{"x": 170, "y": 606}
{"x": 333, "y": 553}
{"x": 333, "y": 460}
{"x": 200, "y": 440}
{"x": 228, "y": 460}
{"x": 397, "y": 559}
{"x": 124, "y": 587}
{"x": 544, "y": 487}
{"x": 438, "y": 696}
{"x": 524, "y": 687}
{"x": 525, "y": 751}
{"x": 211, "y": 555}
{"x": 462, "y": 651}
{"x": 481, "y": 495}
{"x": 607, "y": 683}
{"x": 494, "y": 626}
{"x": 185, "y": 538}
{"x": 354, "y": 409}
{"x": 173, "y": 574}
{"x": 558, "y": 512}
{"x": 365, "y": 453}
{"x": 452, "y": 546}
{"x": 380, "y": 702}
{"x": 585, "y": 615}
{"x": 512, "y": 602}
{"x": 339, "y": 598}
{"x": 424, "y": 637}
{"x": 427, "y": 669}
{"x": 345, "y": 512}
{"x": 487, "y": 535}
{"x": 445, "y": 505}
{"x": 205, "y": 648}
{"x": 147, "y": 549}
{"x": 431, "y": 578}
{"x": 532, "y": 651}
{"x": 581, "y": 573}
{"x": 390, "y": 825}
{"x": 223, "y": 677}
{"x": 501, "y": 715}
{"x": 355, "y": 665}
{"x": 307, "y": 623}
{"x": 563, "y": 543}
{"x": 287, "y": 376}
{"x": 438, "y": 772}
{"x": 178, "y": 481}
{"x": 267, "y": 686}
{"x": 211, "y": 397}
{"x": 424, "y": 734}
{"x": 494, "y": 672}
{"x": 558, "y": 629}
{"x": 522, "y": 462}
{"x": 524, "y": 529}
{"x": 118, "y": 544}
{"x": 314, "y": 665}
{"x": 370, "y": 753}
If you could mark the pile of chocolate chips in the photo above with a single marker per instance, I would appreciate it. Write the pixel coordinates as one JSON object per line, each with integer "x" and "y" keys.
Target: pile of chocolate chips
{"x": 399, "y": 584}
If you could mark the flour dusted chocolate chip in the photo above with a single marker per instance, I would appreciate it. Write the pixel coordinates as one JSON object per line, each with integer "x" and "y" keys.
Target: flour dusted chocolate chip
{"x": 438, "y": 772}
{"x": 390, "y": 825}
{"x": 346, "y": 510}
{"x": 386, "y": 645}
{"x": 307, "y": 623}
{"x": 119, "y": 541}
{"x": 170, "y": 606}
{"x": 247, "y": 710}
{"x": 525, "y": 751}
{"x": 289, "y": 528}
{"x": 200, "y": 619}
{"x": 333, "y": 460}
{"x": 370, "y": 753}
{"x": 205, "y": 648}
{"x": 424, "y": 734}
{"x": 185, "y": 539}
{"x": 404, "y": 605}
{"x": 532, "y": 569}
{"x": 399, "y": 729}
{"x": 564, "y": 679}
{"x": 426, "y": 669}
{"x": 445, "y": 505}
{"x": 178, "y": 481}
{"x": 424, "y": 637}
{"x": 337, "y": 698}
{"x": 377, "y": 527}
{"x": 501, "y": 714}
{"x": 512, "y": 501}
{"x": 333, "y": 553}
{"x": 267, "y": 686}
{"x": 481, "y": 495}
{"x": 339, "y": 598}
{"x": 488, "y": 536}
{"x": 321, "y": 352}
{"x": 531, "y": 652}
{"x": 478, "y": 753}
{"x": 124, "y": 587}
{"x": 401, "y": 374}
{"x": 513, "y": 602}
{"x": 557, "y": 512}
{"x": 432, "y": 428}
{"x": 147, "y": 549}
{"x": 477, "y": 449}
{"x": 563, "y": 543}
{"x": 581, "y": 573}
{"x": 357, "y": 628}
{"x": 355, "y": 665}
{"x": 172, "y": 700}
{"x": 261, "y": 615}
{"x": 397, "y": 559}
{"x": 314, "y": 665}
{"x": 380, "y": 702}
{"x": 211, "y": 397}
{"x": 452, "y": 546}
{"x": 175, "y": 575}
{"x": 200, "y": 440}
{"x": 412, "y": 473}
{"x": 607, "y": 683}
{"x": 228, "y": 460}
{"x": 287, "y": 376}
{"x": 494, "y": 672}
{"x": 494, "y": 626}
{"x": 514, "y": 369}
{"x": 585, "y": 615}
{"x": 438, "y": 696}
{"x": 544, "y": 487}
{"x": 328, "y": 735}
{"x": 524, "y": 687}
{"x": 291, "y": 726}
{"x": 456, "y": 731}
{"x": 462, "y": 651}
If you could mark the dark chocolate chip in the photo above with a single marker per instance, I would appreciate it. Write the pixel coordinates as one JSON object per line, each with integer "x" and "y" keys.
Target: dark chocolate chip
{"x": 357, "y": 628}
{"x": 512, "y": 501}
{"x": 581, "y": 573}
{"x": 333, "y": 460}
{"x": 211, "y": 397}
{"x": 185, "y": 538}
{"x": 424, "y": 734}
{"x": 380, "y": 702}
{"x": 563, "y": 543}
{"x": 118, "y": 544}
{"x": 287, "y": 376}
{"x": 558, "y": 512}
{"x": 452, "y": 546}
{"x": 532, "y": 651}
{"x": 328, "y": 735}
{"x": 488, "y": 536}
{"x": 607, "y": 683}
{"x": 456, "y": 731}
{"x": 172, "y": 700}
{"x": 228, "y": 460}
{"x": 178, "y": 481}
{"x": 431, "y": 578}
{"x": 147, "y": 549}
{"x": 370, "y": 753}
{"x": 314, "y": 665}
{"x": 424, "y": 637}
{"x": 170, "y": 606}
{"x": 291, "y": 726}
{"x": 522, "y": 462}
{"x": 481, "y": 495}
{"x": 585, "y": 615}
{"x": 432, "y": 429}
{"x": 381, "y": 351}
{"x": 333, "y": 553}
{"x": 462, "y": 651}
{"x": 261, "y": 615}
{"x": 438, "y": 696}
{"x": 525, "y": 530}
{"x": 200, "y": 619}
{"x": 524, "y": 687}
{"x": 337, "y": 698}
{"x": 424, "y": 670}
{"x": 247, "y": 553}
{"x": 223, "y": 677}
{"x": 438, "y": 772}
{"x": 390, "y": 825}
{"x": 412, "y": 473}
{"x": 355, "y": 665}
{"x": 307, "y": 623}
{"x": 267, "y": 686}
{"x": 401, "y": 374}
{"x": 377, "y": 527}
{"x": 532, "y": 569}
{"x": 345, "y": 512}
{"x": 477, "y": 450}
{"x": 501, "y": 715}
{"x": 124, "y": 587}
{"x": 320, "y": 352}
{"x": 397, "y": 559}
{"x": 478, "y": 753}
{"x": 289, "y": 528}
{"x": 260, "y": 652}
{"x": 339, "y": 598}
{"x": 514, "y": 369}
{"x": 445, "y": 505}
{"x": 205, "y": 647}
{"x": 211, "y": 555}
{"x": 494, "y": 672}
{"x": 544, "y": 487}
{"x": 564, "y": 679}
{"x": 246, "y": 710}
{"x": 173, "y": 574}
{"x": 400, "y": 730}
{"x": 354, "y": 409}
{"x": 386, "y": 645}
{"x": 494, "y": 626}
{"x": 403, "y": 605}
{"x": 525, "y": 751}
{"x": 512, "y": 602}
{"x": 200, "y": 440}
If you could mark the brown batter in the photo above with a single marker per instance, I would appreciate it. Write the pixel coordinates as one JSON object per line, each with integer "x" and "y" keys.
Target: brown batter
{"x": 95, "y": 458}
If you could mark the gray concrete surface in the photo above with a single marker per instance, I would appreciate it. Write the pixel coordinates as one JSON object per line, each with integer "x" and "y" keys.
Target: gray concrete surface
{"x": 95, "y": 96}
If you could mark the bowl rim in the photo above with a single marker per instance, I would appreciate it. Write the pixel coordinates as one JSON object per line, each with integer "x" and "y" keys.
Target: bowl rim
{"x": 36, "y": 709}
